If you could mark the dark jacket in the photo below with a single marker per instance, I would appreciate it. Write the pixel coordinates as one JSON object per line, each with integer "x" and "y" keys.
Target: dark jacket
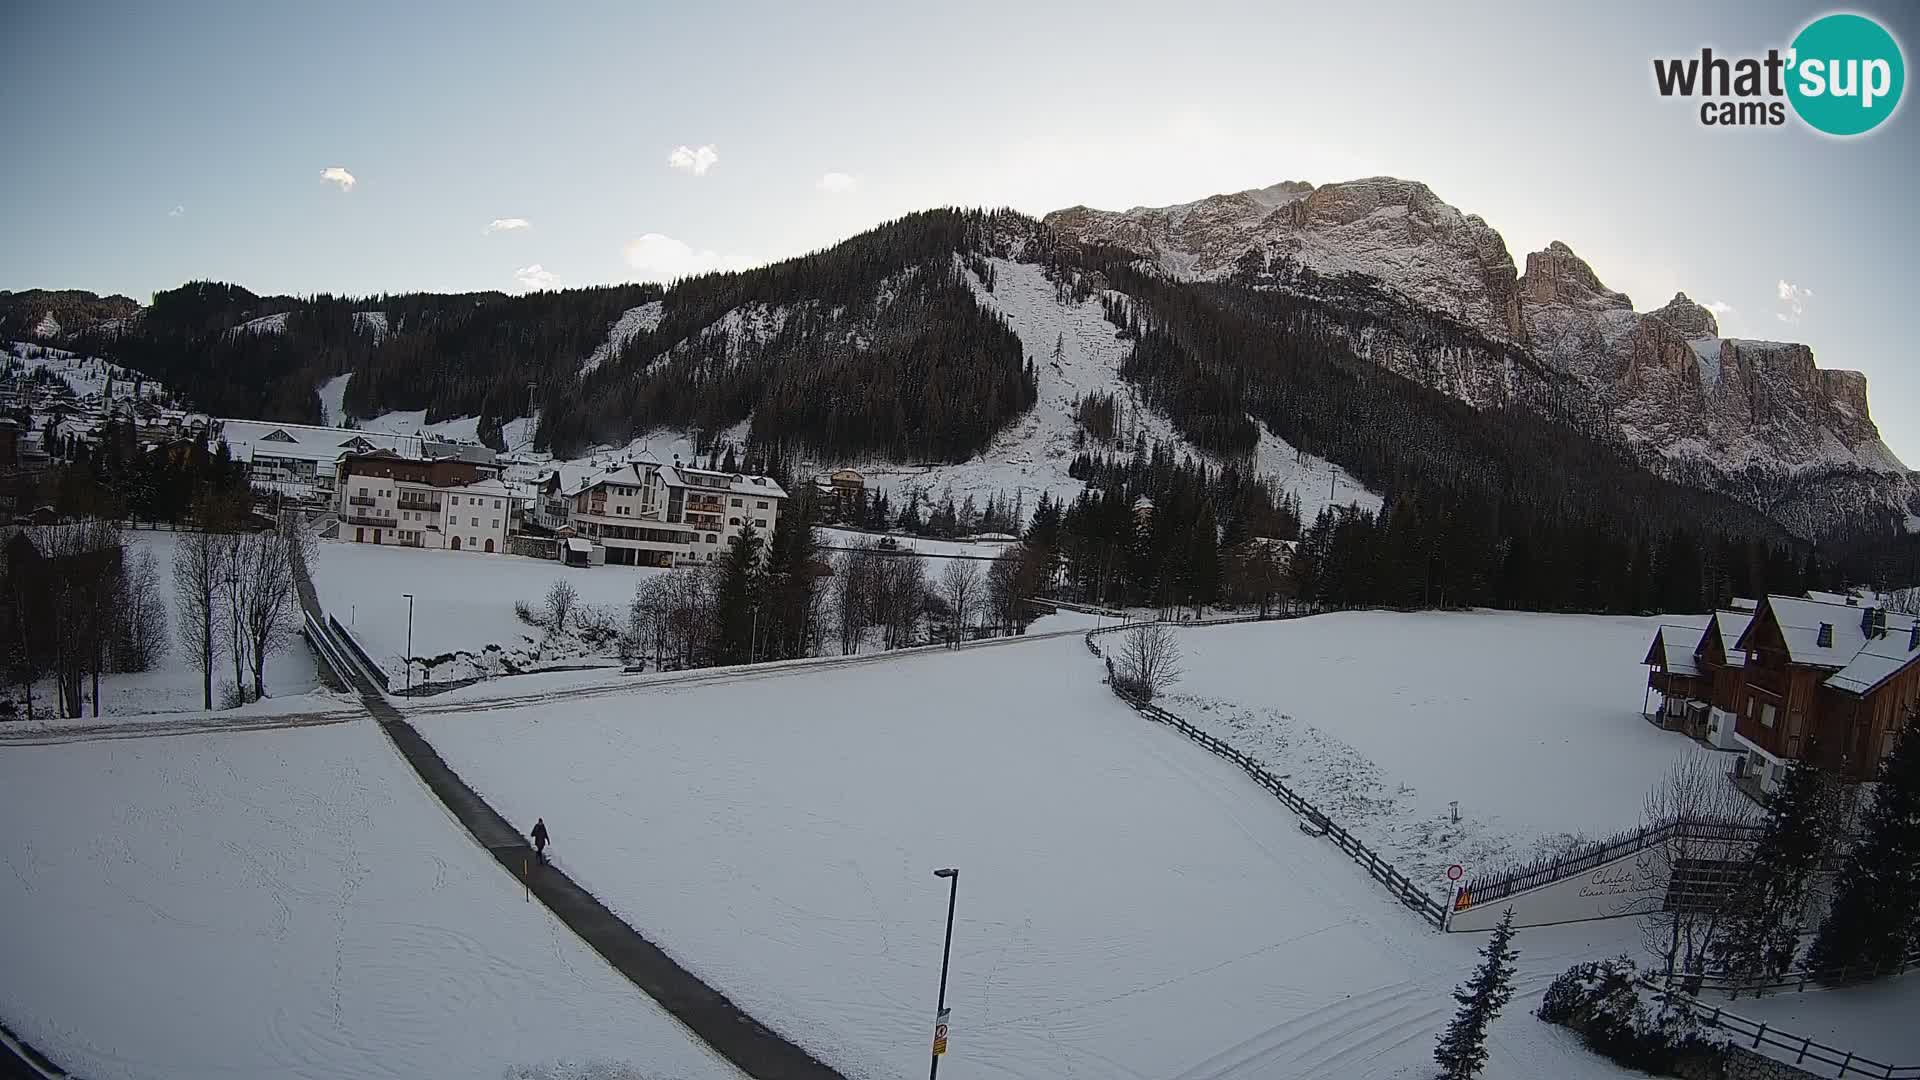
{"x": 540, "y": 833}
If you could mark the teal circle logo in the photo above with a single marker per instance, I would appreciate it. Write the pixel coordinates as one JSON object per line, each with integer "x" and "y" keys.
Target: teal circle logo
{"x": 1847, "y": 74}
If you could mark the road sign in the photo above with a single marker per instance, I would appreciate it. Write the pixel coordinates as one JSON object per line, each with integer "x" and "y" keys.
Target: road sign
{"x": 1456, "y": 872}
{"x": 940, "y": 1033}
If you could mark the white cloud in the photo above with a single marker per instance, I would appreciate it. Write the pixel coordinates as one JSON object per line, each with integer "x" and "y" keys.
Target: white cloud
{"x": 662, "y": 258}
{"x": 334, "y": 174}
{"x": 506, "y": 224}
{"x": 838, "y": 182}
{"x": 535, "y": 277}
{"x": 694, "y": 161}
{"x": 1720, "y": 308}
{"x": 178, "y": 211}
{"x": 1793, "y": 301}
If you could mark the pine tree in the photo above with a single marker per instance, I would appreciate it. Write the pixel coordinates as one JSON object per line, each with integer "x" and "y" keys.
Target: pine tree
{"x": 1768, "y": 906}
{"x": 1462, "y": 1050}
{"x": 1875, "y": 916}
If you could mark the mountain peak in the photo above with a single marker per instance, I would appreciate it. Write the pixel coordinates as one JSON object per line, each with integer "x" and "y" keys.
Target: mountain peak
{"x": 1558, "y": 276}
{"x": 1687, "y": 318}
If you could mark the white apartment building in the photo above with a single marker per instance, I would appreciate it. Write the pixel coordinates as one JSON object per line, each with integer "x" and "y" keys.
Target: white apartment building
{"x": 643, "y": 513}
{"x": 454, "y": 505}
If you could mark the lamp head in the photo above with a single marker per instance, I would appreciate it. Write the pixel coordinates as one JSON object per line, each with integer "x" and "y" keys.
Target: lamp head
{"x": 947, "y": 872}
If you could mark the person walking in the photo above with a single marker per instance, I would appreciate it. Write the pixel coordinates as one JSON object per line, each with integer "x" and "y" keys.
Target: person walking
{"x": 540, "y": 840}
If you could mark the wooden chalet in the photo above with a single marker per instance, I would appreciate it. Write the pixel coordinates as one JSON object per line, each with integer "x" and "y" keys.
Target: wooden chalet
{"x": 1699, "y": 674}
{"x": 1839, "y": 676}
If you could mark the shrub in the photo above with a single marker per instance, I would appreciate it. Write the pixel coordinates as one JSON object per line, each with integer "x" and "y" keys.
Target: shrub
{"x": 524, "y": 613}
{"x": 1601, "y": 1000}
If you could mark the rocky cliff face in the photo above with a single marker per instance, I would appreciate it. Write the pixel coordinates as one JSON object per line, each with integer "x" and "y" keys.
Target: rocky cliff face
{"x": 1755, "y": 419}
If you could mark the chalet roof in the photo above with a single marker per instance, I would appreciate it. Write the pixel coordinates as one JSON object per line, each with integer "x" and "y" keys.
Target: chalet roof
{"x": 1732, "y": 624}
{"x": 1675, "y": 644}
{"x": 763, "y": 487}
{"x": 245, "y": 438}
{"x": 1800, "y": 621}
{"x": 1881, "y": 659}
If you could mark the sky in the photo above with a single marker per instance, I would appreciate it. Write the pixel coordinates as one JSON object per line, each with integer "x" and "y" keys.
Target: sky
{"x": 359, "y": 148}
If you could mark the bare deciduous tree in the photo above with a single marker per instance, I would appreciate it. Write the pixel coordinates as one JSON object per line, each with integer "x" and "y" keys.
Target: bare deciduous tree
{"x": 269, "y": 609}
{"x": 1703, "y": 868}
{"x": 142, "y": 638}
{"x": 853, "y": 594}
{"x": 562, "y": 598}
{"x": 1149, "y": 659}
{"x": 199, "y": 574}
{"x": 960, "y": 586}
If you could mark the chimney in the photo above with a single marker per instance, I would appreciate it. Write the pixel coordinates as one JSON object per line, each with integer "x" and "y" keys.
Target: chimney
{"x": 1913, "y": 636}
{"x": 1825, "y": 640}
{"x": 1866, "y": 621}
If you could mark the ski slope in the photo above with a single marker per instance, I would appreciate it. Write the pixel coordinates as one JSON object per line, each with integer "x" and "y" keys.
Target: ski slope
{"x": 289, "y": 904}
{"x": 1129, "y": 906}
{"x": 1531, "y": 722}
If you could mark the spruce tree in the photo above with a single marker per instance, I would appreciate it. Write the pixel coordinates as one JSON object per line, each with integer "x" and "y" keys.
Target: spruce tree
{"x": 1462, "y": 1050}
{"x": 1875, "y": 916}
{"x": 1769, "y": 904}
{"x": 735, "y": 597}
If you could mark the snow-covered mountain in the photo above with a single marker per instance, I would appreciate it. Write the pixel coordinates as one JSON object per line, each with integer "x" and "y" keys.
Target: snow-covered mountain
{"x": 1755, "y": 419}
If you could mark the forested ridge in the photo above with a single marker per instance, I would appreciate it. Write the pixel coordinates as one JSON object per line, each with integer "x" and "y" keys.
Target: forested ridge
{"x": 878, "y": 348}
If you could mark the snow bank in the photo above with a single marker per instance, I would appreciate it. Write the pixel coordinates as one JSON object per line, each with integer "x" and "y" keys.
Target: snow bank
{"x": 1129, "y": 906}
{"x": 632, "y": 323}
{"x": 289, "y": 903}
{"x": 1532, "y": 722}
{"x": 333, "y": 400}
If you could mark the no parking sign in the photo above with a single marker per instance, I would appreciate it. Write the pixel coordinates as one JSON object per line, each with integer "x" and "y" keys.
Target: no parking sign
{"x": 940, "y": 1033}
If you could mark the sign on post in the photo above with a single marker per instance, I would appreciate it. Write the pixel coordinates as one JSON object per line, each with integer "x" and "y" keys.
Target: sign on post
{"x": 940, "y": 1033}
{"x": 1456, "y": 872}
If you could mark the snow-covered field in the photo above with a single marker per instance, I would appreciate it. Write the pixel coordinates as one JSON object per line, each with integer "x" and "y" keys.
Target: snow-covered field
{"x": 288, "y": 904}
{"x": 87, "y": 376}
{"x": 1531, "y": 722}
{"x": 1129, "y": 906}
{"x": 463, "y": 603}
{"x": 1875, "y": 1021}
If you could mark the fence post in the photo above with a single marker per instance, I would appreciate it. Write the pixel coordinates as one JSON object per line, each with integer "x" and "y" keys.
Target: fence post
{"x": 1758, "y": 1035}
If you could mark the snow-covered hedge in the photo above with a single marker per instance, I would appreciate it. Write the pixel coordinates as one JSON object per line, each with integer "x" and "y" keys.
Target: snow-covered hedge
{"x": 1603, "y": 1001}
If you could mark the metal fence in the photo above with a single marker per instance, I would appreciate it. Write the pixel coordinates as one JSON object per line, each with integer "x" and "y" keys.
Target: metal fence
{"x": 1803, "y": 1048}
{"x": 345, "y": 637}
{"x": 1497, "y": 888}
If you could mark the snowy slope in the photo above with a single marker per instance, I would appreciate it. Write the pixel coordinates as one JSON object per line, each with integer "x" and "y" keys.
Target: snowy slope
{"x": 266, "y": 324}
{"x": 290, "y": 904}
{"x": 86, "y": 375}
{"x": 631, "y": 323}
{"x": 1128, "y": 906}
{"x": 373, "y": 323}
{"x": 1033, "y": 454}
{"x": 333, "y": 399}
{"x": 1531, "y": 722}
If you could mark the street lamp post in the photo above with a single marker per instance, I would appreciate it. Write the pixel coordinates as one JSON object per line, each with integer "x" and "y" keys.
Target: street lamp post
{"x": 940, "y": 1016}
{"x": 409, "y": 597}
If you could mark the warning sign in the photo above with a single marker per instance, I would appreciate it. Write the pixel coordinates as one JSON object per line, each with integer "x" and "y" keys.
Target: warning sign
{"x": 940, "y": 1033}
{"x": 1463, "y": 901}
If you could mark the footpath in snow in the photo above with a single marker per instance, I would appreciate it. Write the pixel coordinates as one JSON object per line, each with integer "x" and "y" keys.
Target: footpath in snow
{"x": 1129, "y": 906}
{"x": 289, "y": 903}
{"x": 1383, "y": 719}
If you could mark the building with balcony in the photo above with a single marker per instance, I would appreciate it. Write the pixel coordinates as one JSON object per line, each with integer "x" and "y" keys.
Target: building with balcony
{"x": 643, "y": 513}
{"x": 297, "y": 460}
{"x": 445, "y": 503}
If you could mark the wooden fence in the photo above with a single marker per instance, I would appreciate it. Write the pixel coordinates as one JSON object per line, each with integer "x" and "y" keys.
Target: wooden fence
{"x": 1382, "y": 871}
{"x": 1803, "y": 1048}
{"x": 1806, "y": 978}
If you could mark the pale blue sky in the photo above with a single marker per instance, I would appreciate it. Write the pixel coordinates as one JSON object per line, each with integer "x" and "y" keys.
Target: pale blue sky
{"x": 147, "y": 144}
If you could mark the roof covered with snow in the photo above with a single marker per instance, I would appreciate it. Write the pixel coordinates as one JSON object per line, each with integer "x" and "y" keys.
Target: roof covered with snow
{"x": 1731, "y": 625}
{"x": 1860, "y": 662}
{"x": 764, "y": 487}
{"x": 1676, "y": 644}
{"x": 247, "y": 438}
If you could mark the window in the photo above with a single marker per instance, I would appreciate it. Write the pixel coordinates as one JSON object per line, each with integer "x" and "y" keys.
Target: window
{"x": 472, "y": 540}
{"x": 475, "y": 522}
{"x": 733, "y": 521}
{"x": 711, "y": 539}
{"x": 736, "y": 502}
{"x": 454, "y": 499}
{"x": 761, "y": 505}
{"x": 496, "y": 504}
{"x": 1766, "y": 715}
{"x": 759, "y": 523}
{"x": 363, "y": 491}
{"x": 496, "y": 523}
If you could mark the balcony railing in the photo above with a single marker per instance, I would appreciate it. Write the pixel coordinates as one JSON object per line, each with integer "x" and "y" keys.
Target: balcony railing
{"x": 419, "y": 504}
{"x": 362, "y": 519}
{"x": 361, "y": 500}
